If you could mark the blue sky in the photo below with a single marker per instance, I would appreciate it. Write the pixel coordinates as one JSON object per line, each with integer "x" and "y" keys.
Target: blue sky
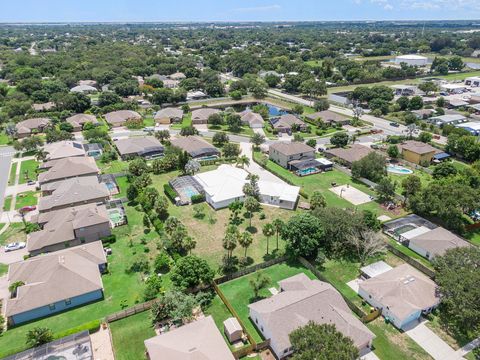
{"x": 235, "y": 10}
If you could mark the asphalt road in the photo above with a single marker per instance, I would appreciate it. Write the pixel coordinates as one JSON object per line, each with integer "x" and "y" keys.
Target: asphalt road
{"x": 6, "y": 154}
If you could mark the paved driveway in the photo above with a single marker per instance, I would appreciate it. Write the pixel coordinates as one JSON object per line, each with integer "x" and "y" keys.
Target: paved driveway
{"x": 10, "y": 257}
{"x": 256, "y": 169}
{"x": 6, "y": 154}
{"x": 431, "y": 342}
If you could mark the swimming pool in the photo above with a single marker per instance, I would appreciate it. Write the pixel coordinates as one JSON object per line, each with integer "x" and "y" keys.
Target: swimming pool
{"x": 210, "y": 157}
{"x": 190, "y": 191}
{"x": 395, "y": 169}
{"x": 307, "y": 171}
{"x": 111, "y": 186}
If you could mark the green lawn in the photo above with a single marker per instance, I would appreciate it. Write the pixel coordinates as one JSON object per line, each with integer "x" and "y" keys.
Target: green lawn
{"x": 219, "y": 312}
{"x": 245, "y": 130}
{"x": 14, "y": 233}
{"x": 113, "y": 167}
{"x": 240, "y": 295}
{"x": 148, "y": 120}
{"x": 27, "y": 198}
{"x": 7, "y": 202}
{"x": 474, "y": 237}
{"x": 122, "y": 183}
{"x": 186, "y": 122}
{"x": 3, "y": 269}
{"x": 129, "y": 334}
{"x": 4, "y": 139}
{"x": 425, "y": 178}
{"x": 13, "y": 173}
{"x": 28, "y": 171}
{"x": 121, "y": 289}
{"x": 323, "y": 182}
{"x": 409, "y": 253}
{"x": 392, "y": 344}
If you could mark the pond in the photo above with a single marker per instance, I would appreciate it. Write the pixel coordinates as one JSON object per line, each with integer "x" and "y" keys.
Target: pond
{"x": 273, "y": 111}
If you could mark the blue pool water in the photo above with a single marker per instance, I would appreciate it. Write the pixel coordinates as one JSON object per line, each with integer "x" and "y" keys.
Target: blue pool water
{"x": 275, "y": 111}
{"x": 399, "y": 170}
{"x": 307, "y": 171}
{"x": 189, "y": 192}
{"x": 111, "y": 186}
{"x": 210, "y": 157}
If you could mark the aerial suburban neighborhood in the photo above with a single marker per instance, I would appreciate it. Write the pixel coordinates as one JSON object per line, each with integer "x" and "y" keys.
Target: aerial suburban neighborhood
{"x": 263, "y": 182}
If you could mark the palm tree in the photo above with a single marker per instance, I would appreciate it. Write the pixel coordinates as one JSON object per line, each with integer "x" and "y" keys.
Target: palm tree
{"x": 278, "y": 224}
{"x": 243, "y": 161}
{"x": 251, "y": 204}
{"x": 245, "y": 241}
{"x": 232, "y": 236}
{"x": 268, "y": 230}
{"x": 40, "y": 154}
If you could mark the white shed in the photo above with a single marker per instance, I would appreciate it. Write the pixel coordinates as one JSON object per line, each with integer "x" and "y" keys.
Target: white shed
{"x": 233, "y": 330}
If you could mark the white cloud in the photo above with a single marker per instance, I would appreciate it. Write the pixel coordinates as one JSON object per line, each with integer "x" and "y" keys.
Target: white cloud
{"x": 448, "y": 5}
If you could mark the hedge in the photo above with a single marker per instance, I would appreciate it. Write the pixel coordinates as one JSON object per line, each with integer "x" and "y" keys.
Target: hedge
{"x": 171, "y": 194}
{"x": 198, "y": 198}
{"x": 106, "y": 240}
{"x": 91, "y": 326}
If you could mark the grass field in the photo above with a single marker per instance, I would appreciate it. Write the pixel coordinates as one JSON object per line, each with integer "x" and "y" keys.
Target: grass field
{"x": 28, "y": 171}
{"x": 113, "y": 167}
{"x": 13, "y": 173}
{"x": 3, "y": 269}
{"x": 27, "y": 198}
{"x": 474, "y": 237}
{"x": 4, "y": 139}
{"x": 239, "y": 293}
{"x": 7, "y": 202}
{"x": 129, "y": 334}
{"x": 425, "y": 179}
{"x": 122, "y": 183}
{"x": 14, "y": 233}
{"x": 409, "y": 253}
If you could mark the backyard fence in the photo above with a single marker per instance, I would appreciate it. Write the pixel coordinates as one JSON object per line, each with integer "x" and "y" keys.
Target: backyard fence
{"x": 473, "y": 227}
{"x": 250, "y": 270}
{"x": 359, "y": 312}
{"x": 122, "y": 314}
{"x": 430, "y": 273}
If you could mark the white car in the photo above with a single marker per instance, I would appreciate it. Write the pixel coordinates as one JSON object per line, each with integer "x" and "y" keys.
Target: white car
{"x": 15, "y": 246}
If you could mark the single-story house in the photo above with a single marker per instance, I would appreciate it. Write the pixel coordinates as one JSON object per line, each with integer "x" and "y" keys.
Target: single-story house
{"x": 472, "y": 126}
{"x": 402, "y": 293}
{"x": 145, "y": 146}
{"x": 449, "y": 119}
{"x": 453, "y": 88}
{"x": 300, "y": 301}
{"x": 233, "y": 330}
{"x": 177, "y": 76}
{"x": 285, "y": 123}
{"x": 78, "y": 120}
{"x": 171, "y": 84}
{"x": 196, "y": 147}
{"x": 118, "y": 118}
{"x": 436, "y": 242}
{"x": 200, "y": 116}
{"x": 417, "y": 152}
{"x": 199, "y": 339}
{"x": 252, "y": 119}
{"x": 456, "y": 103}
{"x": 423, "y": 114}
{"x": 67, "y": 168}
{"x": 340, "y": 97}
{"x": 168, "y": 115}
{"x": 27, "y": 127}
{"x": 63, "y": 149}
{"x": 56, "y": 282}
{"x": 44, "y": 106}
{"x": 283, "y": 153}
{"x": 88, "y": 82}
{"x": 225, "y": 185}
{"x": 329, "y": 117}
{"x": 86, "y": 89}
{"x": 94, "y": 150}
{"x": 70, "y": 227}
{"x": 49, "y": 188}
{"x": 196, "y": 95}
{"x": 71, "y": 194}
{"x": 348, "y": 155}
{"x": 404, "y": 90}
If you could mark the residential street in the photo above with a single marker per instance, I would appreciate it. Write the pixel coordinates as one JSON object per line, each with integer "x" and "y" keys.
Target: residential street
{"x": 6, "y": 155}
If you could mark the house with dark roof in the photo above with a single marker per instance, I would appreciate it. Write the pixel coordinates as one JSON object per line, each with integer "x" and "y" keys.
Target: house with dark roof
{"x": 78, "y": 120}
{"x": 287, "y": 154}
{"x": 300, "y": 301}
{"x": 196, "y": 147}
{"x": 200, "y": 116}
{"x": 147, "y": 147}
{"x": 120, "y": 117}
{"x": 55, "y": 282}
{"x": 348, "y": 155}
{"x": 168, "y": 115}
{"x": 70, "y": 227}
{"x": 31, "y": 126}
{"x": 287, "y": 122}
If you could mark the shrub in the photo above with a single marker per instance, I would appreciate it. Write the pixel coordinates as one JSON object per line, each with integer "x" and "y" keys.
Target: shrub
{"x": 170, "y": 192}
{"x": 162, "y": 262}
{"x": 303, "y": 194}
{"x": 91, "y": 326}
{"x": 197, "y": 198}
{"x": 107, "y": 240}
{"x": 138, "y": 264}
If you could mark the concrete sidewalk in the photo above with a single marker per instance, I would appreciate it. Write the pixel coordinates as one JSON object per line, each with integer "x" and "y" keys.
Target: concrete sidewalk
{"x": 431, "y": 342}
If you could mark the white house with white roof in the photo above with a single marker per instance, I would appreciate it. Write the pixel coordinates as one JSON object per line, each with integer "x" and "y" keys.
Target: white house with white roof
{"x": 225, "y": 185}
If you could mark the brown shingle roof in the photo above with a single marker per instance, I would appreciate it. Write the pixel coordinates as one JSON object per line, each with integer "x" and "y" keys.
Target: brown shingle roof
{"x": 417, "y": 147}
{"x": 438, "y": 241}
{"x": 328, "y": 116}
{"x": 302, "y": 300}
{"x": 203, "y": 114}
{"x": 26, "y": 126}
{"x": 286, "y": 121}
{"x": 353, "y": 153}
{"x": 64, "y": 149}
{"x": 403, "y": 289}
{"x": 79, "y": 120}
{"x": 68, "y": 168}
{"x": 137, "y": 145}
{"x": 291, "y": 148}
{"x": 120, "y": 116}
{"x": 171, "y": 113}
{"x": 198, "y": 340}
{"x": 54, "y": 277}
{"x": 194, "y": 145}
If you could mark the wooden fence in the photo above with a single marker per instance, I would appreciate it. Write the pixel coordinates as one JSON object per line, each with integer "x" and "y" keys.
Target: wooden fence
{"x": 429, "y": 272}
{"x": 473, "y": 227}
{"x": 130, "y": 311}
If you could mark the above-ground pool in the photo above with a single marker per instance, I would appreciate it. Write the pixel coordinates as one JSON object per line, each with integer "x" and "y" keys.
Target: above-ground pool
{"x": 395, "y": 169}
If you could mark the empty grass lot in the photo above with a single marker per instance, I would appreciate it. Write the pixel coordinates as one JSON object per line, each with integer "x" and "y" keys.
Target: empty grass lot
{"x": 129, "y": 334}
{"x": 14, "y": 233}
{"x": 28, "y": 171}
{"x": 113, "y": 167}
{"x": 240, "y": 295}
{"x": 120, "y": 289}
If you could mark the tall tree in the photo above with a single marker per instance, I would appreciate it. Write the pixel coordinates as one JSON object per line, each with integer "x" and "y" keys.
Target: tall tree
{"x": 268, "y": 231}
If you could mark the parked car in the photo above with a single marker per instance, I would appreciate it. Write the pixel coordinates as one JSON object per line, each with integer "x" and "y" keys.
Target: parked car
{"x": 31, "y": 182}
{"x": 14, "y": 246}
{"x": 394, "y": 124}
{"x": 148, "y": 128}
{"x": 27, "y": 208}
